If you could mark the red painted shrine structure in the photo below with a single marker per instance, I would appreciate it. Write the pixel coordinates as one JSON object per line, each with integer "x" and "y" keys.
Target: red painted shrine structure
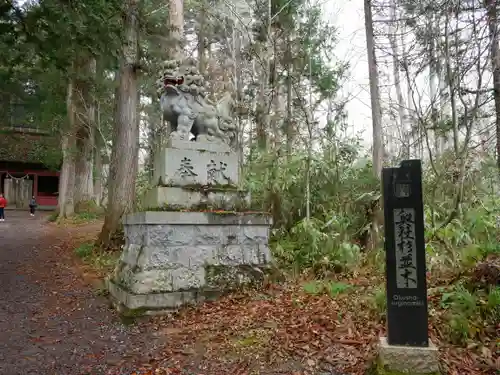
{"x": 29, "y": 166}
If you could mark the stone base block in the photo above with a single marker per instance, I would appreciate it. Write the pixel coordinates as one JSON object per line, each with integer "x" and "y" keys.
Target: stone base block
{"x": 155, "y": 301}
{"x": 130, "y": 303}
{"x": 172, "y": 259}
{"x": 409, "y": 359}
{"x": 163, "y": 196}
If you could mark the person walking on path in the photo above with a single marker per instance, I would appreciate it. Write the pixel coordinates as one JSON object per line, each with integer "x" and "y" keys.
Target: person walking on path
{"x": 32, "y": 205}
{"x": 3, "y": 204}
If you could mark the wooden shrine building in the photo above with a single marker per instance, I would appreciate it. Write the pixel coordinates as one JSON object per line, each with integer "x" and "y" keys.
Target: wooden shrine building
{"x": 30, "y": 161}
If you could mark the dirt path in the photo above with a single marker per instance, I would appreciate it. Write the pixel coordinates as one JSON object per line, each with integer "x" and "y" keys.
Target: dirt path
{"x": 51, "y": 323}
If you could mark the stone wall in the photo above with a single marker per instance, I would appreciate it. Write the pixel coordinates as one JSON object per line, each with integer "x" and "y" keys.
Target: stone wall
{"x": 173, "y": 258}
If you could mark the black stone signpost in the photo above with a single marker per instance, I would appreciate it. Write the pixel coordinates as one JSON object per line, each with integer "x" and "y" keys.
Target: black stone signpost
{"x": 405, "y": 255}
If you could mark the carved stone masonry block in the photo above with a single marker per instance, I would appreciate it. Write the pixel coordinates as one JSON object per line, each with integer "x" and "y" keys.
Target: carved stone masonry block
{"x": 173, "y": 196}
{"x": 185, "y": 163}
{"x": 175, "y": 258}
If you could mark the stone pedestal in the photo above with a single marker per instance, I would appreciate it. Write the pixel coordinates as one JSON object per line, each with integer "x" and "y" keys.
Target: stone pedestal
{"x": 190, "y": 197}
{"x": 186, "y": 163}
{"x": 409, "y": 359}
{"x": 175, "y": 258}
{"x": 195, "y": 174}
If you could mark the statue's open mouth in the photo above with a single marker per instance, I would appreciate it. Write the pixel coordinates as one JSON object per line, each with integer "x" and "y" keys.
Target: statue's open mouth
{"x": 173, "y": 81}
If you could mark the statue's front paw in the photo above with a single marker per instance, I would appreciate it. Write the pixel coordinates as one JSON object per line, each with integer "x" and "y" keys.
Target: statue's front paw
{"x": 204, "y": 138}
{"x": 177, "y": 135}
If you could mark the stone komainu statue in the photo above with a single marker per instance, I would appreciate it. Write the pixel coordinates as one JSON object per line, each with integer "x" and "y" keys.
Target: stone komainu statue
{"x": 183, "y": 102}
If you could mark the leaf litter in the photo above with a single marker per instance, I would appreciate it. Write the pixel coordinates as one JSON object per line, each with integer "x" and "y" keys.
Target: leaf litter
{"x": 285, "y": 330}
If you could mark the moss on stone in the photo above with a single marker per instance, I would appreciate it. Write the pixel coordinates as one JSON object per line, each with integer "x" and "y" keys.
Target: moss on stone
{"x": 134, "y": 313}
{"x": 233, "y": 277}
{"x": 206, "y": 207}
{"x": 130, "y": 316}
{"x": 210, "y": 294}
{"x": 205, "y": 188}
{"x": 378, "y": 369}
{"x": 165, "y": 208}
{"x": 212, "y": 188}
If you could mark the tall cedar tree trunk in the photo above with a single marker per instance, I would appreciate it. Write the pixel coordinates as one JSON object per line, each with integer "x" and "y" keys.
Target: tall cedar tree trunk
{"x": 176, "y": 23}
{"x": 98, "y": 175}
{"x": 275, "y": 119}
{"x": 100, "y": 147}
{"x": 442, "y": 102}
{"x": 433, "y": 85}
{"x": 451, "y": 84}
{"x": 153, "y": 126}
{"x": 85, "y": 129}
{"x": 264, "y": 67}
{"x": 66, "y": 206}
{"x": 175, "y": 47}
{"x": 202, "y": 40}
{"x": 124, "y": 156}
{"x": 397, "y": 81}
{"x": 289, "y": 131}
{"x": 495, "y": 62}
{"x": 376, "y": 118}
{"x": 98, "y": 162}
{"x": 238, "y": 85}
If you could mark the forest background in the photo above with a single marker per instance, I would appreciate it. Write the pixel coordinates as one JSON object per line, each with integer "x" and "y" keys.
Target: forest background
{"x": 85, "y": 71}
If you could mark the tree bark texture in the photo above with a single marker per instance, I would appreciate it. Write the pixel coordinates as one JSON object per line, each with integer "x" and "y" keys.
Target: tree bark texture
{"x": 202, "y": 40}
{"x": 397, "y": 82}
{"x": 98, "y": 163}
{"x": 176, "y": 25}
{"x": 289, "y": 130}
{"x": 378, "y": 145}
{"x": 374, "y": 92}
{"x": 85, "y": 129}
{"x": 123, "y": 171}
{"x": 491, "y": 7}
{"x": 66, "y": 206}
